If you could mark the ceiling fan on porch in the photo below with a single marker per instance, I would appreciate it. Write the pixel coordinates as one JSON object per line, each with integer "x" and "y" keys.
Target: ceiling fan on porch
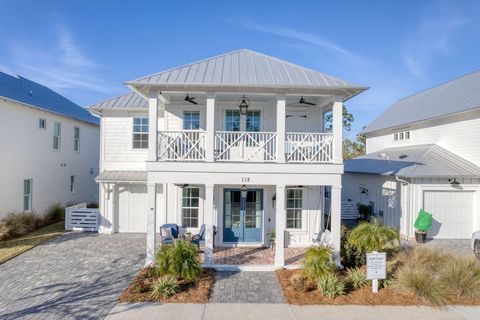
{"x": 303, "y": 101}
{"x": 191, "y": 100}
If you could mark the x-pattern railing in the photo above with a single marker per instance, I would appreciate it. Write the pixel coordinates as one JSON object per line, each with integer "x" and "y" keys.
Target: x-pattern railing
{"x": 245, "y": 146}
{"x": 181, "y": 145}
{"x": 309, "y": 147}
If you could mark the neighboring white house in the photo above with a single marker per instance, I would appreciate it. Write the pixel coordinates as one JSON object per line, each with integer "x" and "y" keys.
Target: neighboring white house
{"x": 187, "y": 141}
{"x": 424, "y": 152}
{"x": 49, "y": 148}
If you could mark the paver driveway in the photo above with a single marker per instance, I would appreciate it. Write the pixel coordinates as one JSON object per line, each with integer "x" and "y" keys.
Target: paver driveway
{"x": 75, "y": 276}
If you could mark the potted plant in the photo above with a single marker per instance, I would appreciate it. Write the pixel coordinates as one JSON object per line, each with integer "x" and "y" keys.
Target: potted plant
{"x": 422, "y": 225}
{"x": 271, "y": 238}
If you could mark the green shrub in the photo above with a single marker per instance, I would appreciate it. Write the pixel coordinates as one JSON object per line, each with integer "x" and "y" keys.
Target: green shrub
{"x": 357, "y": 278}
{"x": 374, "y": 236}
{"x": 461, "y": 277}
{"x": 423, "y": 283}
{"x": 179, "y": 260}
{"x": 5, "y": 230}
{"x": 365, "y": 212}
{"x": 55, "y": 213}
{"x": 318, "y": 261}
{"x": 350, "y": 255}
{"x": 17, "y": 224}
{"x": 165, "y": 286}
{"x": 299, "y": 282}
{"x": 330, "y": 285}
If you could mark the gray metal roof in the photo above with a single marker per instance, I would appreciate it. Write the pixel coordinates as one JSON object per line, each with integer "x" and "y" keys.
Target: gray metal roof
{"x": 25, "y": 91}
{"x": 414, "y": 161}
{"x": 244, "y": 68}
{"x": 128, "y": 100}
{"x": 458, "y": 95}
{"x": 122, "y": 176}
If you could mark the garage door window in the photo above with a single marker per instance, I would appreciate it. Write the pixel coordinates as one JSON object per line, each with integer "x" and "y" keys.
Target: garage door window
{"x": 190, "y": 205}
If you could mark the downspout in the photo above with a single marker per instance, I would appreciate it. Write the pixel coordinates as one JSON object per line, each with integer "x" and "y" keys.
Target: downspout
{"x": 407, "y": 205}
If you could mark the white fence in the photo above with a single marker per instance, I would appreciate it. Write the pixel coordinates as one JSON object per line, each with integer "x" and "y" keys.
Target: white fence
{"x": 246, "y": 146}
{"x": 181, "y": 145}
{"x": 81, "y": 218}
{"x": 309, "y": 147}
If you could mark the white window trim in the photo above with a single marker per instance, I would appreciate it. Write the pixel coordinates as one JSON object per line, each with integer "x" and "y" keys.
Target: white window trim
{"x": 199, "y": 119}
{"x": 403, "y": 134}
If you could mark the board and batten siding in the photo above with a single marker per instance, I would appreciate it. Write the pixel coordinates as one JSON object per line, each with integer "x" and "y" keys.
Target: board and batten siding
{"x": 459, "y": 134}
{"x": 27, "y": 153}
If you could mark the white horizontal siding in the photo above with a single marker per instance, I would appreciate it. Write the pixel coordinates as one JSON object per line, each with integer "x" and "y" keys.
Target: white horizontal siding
{"x": 462, "y": 137}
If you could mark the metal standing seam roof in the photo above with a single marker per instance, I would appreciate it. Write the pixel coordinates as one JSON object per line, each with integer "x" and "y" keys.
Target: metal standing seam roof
{"x": 25, "y": 91}
{"x": 455, "y": 96}
{"x": 244, "y": 68}
{"x": 122, "y": 176}
{"x": 413, "y": 162}
{"x": 128, "y": 100}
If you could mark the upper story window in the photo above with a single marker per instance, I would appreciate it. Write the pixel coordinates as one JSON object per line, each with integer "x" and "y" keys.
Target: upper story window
{"x": 56, "y": 135}
{"x": 232, "y": 120}
{"x": 191, "y": 120}
{"x": 140, "y": 133}
{"x": 76, "y": 139}
{"x": 27, "y": 195}
{"x": 253, "y": 121}
{"x": 294, "y": 208}
{"x": 190, "y": 207}
{"x": 72, "y": 184}
{"x": 42, "y": 123}
{"x": 403, "y": 135}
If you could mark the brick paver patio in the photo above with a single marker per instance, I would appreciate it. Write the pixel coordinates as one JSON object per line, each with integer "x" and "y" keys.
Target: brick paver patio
{"x": 75, "y": 276}
{"x": 254, "y": 255}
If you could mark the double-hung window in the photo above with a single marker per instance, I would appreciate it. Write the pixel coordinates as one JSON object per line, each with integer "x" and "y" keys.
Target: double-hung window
{"x": 72, "y": 184}
{"x": 56, "y": 135}
{"x": 27, "y": 195}
{"x": 191, "y": 120}
{"x": 190, "y": 207}
{"x": 294, "y": 208}
{"x": 253, "y": 121}
{"x": 232, "y": 120}
{"x": 42, "y": 123}
{"x": 76, "y": 139}
{"x": 140, "y": 133}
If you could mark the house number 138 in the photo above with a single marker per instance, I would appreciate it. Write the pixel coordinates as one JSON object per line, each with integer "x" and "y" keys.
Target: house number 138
{"x": 245, "y": 179}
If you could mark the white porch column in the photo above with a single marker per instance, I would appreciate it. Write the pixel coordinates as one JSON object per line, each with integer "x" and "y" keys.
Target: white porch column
{"x": 337, "y": 129}
{"x": 335, "y": 220}
{"x": 151, "y": 223}
{"x": 280, "y": 224}
{"x": 281, "y": 116}
{"x": 152, "y": 126}
{"x": 209, "y": 223}
{"x": 210, "y": 126}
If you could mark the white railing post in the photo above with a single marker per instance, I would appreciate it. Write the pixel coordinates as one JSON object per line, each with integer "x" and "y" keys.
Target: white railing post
{"x": 337, "y": 130}
{"x": 309, "y": 147}
{"x": 181, "y": 145}
{"x": 281, "y": 116}
{"x": 210, "y": 124}
{"x": 152, "y": 125}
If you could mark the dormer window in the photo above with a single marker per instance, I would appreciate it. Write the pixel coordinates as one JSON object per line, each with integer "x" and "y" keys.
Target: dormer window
{"x": 400, "y": 136}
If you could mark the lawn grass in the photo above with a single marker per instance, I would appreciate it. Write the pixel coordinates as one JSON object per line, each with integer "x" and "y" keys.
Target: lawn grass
{"x": 14, "y": 247}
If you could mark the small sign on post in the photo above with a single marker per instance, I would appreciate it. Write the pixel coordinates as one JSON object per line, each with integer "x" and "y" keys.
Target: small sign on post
{"x": 376, "y": 268}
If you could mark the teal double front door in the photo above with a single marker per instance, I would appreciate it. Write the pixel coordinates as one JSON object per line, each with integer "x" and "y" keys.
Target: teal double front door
{"x": 242, "y": 216}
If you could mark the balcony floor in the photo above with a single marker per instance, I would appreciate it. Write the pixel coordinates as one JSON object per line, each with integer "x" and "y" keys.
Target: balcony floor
{"x": 249, "y": 256}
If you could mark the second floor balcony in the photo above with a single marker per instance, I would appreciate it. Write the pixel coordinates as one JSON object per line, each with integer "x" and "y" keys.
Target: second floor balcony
{"x": 246, "y": 146}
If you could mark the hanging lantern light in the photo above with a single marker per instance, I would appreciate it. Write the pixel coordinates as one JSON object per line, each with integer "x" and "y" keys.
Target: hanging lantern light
{"x": 243, "y": 105}
{"x": 243, "y": 191}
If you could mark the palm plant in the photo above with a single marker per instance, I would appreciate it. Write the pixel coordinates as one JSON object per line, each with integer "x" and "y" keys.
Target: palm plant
{"x": 180, "y": 260}
{"x": 374, "y": 236}
{"x": 318, "y": 261}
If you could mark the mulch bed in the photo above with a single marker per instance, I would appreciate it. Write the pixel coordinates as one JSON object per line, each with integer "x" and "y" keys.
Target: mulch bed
{"x": 139, "y": 289}
{"x": 362, "y": 296}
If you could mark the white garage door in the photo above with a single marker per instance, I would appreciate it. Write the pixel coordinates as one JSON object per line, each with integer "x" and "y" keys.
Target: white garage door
{"x": 132, "y": 203}
{"x": 452, "y": 214}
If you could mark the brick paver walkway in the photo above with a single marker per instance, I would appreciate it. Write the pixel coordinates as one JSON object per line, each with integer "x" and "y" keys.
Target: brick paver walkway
{"x": 75, "y": 276}
{"x": 246, "y": 287}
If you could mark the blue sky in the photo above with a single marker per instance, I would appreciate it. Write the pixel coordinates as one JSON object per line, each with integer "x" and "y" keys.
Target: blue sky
{"x": 86, "y": 49}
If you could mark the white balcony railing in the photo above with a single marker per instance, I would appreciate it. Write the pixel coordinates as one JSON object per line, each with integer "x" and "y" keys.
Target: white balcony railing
{"x": 245, "y": 146}
{"x": 309, "y": 147}
{"x": 181, "y": 145}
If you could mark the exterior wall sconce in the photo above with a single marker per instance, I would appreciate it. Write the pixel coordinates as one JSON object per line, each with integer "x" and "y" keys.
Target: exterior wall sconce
{"x": 244, "y": 191}
{"x": 454, "y": 182}
{"x": 274, "y": 201}
{"x": 364, "y": 190}
{"x": 243, "y": 105}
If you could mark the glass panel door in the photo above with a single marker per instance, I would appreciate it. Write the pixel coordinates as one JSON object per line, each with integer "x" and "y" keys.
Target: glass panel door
{"x": 232, "y": 222}
{"x": 253, "y": 216}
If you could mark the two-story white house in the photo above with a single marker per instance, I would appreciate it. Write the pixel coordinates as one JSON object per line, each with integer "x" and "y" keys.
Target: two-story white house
{"x": 49, "y": 148}
{"x": 424, "y": 152}
{"x": 236, "y": 141}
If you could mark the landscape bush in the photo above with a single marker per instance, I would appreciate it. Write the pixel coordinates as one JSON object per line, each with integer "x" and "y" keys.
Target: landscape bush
{"x": 55, "y": 213}
{"x": 299, "y": 282}
{"x": 356, "y": 277}
{"x": 374, "y": 236}
{"x": 165, "y": 286}
{"x": 351, "y": 256}
{"x": 180, "y": 260}
{"x": 438, "y": 278}
{"x": 330, "y": 285}
{"x": 318, "y": 261}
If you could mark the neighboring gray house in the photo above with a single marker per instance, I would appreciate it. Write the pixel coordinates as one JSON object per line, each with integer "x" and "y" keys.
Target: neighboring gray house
{"x": 423, "y": 152}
